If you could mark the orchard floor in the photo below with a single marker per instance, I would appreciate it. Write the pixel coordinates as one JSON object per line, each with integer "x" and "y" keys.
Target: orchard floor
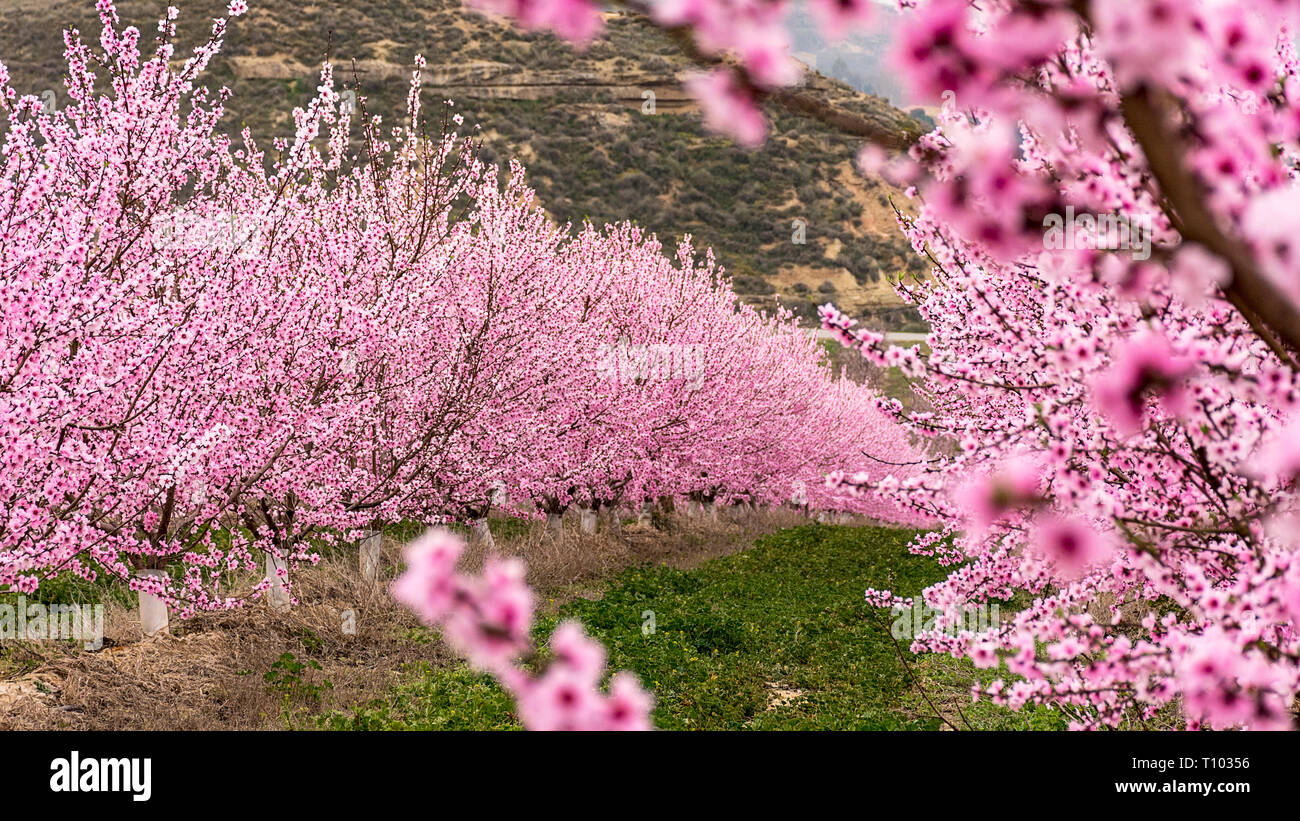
{"x": 753, "y": 625}
{"x": 776, "y": 637}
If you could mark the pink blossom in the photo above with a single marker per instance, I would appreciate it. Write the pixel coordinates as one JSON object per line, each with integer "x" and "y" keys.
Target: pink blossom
{"x": 560, "y": 699}
{"x": 837, "y": 18}
{"x": 577, "y": 21}
{"x": 1144, "y": 367}
{"x": 1014, "y": 487}
{"x": 427, "y": 586}
{"x": 1278, "y": 457}
{"x": 573, "y": 648}
{"x": 1071, "y": 545}
{"x": 628, "y": 705}
{"x": 488, "y": 619}
{"x": 935, "y": 52}
{"x": 727, "y": 110}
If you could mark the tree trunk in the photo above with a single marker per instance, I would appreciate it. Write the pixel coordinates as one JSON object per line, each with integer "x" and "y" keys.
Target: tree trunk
{"x": 500, "y": 497}
{"x": 276, "y": 594}
{"x": 153, "y": 611}
{"x": 371, "y": 551}
{"x": 588, "y": 520}
{"x": 483, "y": 534}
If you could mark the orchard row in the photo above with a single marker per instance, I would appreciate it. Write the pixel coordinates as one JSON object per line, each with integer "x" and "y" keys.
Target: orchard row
{"x": 212, "y": 353}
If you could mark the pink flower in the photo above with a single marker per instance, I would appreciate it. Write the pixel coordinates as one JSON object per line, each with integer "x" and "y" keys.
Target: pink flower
{"x": 1145, "y": 39}
{"x": 561, "y": 699}
{"x": 989, "y": 499}
{"x": 1272, "y": 225}
{"x": 984, "y": 655}
{"x": 763, "y": 46}
{"x": 1146, "y": 366}
{"x": 427, "y": 585}
{"x": 1278, "y": 457}
{"x": 837, "y": 18}
{"x": 493, "y": 615}
{"x": 573, "y": 647}
{"x": 577, "y": 21}
{"x": 488, "y": 619}
{"x": 727, "y": 109}
{"x": 1225, "y": 685}
{"x": 935, "y": 52}
{"x": 567, "y": 696}
{"x": 1070, "y": 545}
{"x": 1196, "y": 274}
{"x": 680, "y": 12}
{"x": 628, "y": 705}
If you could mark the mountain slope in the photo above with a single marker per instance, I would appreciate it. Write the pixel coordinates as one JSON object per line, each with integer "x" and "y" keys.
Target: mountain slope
{"x": 575, "y": 119}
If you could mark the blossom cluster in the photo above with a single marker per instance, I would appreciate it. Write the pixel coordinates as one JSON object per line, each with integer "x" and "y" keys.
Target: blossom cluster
{"x": 488, "y": 618}
{"x": 1120, "y": 427}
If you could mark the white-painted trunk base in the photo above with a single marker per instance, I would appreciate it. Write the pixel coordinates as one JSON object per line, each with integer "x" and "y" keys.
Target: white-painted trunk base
{"x": 500, "y": 497}
{"x": 153, "y": 611}
{"x": 371, "y": 555}
{"x": 588, "y": 520}
{"x": 483, "y": 534}
{"x": 277, "y": 597}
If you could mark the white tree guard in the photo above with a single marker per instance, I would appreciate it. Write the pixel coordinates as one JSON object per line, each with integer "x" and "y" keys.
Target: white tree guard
{"x": 153, "y": 611}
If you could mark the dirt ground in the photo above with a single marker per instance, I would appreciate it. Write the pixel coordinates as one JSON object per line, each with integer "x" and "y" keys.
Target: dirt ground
{"x": 208, "y": 673}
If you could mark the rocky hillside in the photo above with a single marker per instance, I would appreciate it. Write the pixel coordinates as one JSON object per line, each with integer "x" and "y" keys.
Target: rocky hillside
{"x": 579, "y": 121}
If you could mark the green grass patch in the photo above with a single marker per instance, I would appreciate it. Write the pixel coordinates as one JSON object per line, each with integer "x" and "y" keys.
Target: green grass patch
{"x": 68, "y": 588}
{"x": 431, "y": 699}
{"x": 776, "y": 637}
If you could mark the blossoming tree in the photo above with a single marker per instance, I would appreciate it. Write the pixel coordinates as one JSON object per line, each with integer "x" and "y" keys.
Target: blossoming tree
{"x": 1121, "y": 404}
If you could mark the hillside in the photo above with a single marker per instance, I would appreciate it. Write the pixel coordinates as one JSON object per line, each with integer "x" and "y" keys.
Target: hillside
{"x": 575, "y": 119}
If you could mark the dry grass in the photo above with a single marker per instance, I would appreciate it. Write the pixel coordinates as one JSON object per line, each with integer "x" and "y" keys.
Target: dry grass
{"x": 560, "y": 569}
{"x": 208, "y": 674}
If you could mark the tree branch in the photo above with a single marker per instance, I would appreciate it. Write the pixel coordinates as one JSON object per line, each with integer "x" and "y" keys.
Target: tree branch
{"x": 1249, "y": 290}
{"x": 898, "y": 136}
